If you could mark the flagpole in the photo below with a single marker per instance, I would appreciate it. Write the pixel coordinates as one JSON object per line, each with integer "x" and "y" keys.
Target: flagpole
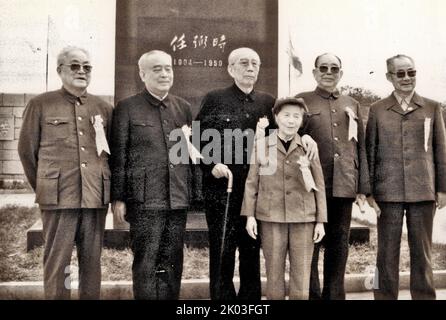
{"x": 47, "y": 51}
{"x": 289, "y": 65}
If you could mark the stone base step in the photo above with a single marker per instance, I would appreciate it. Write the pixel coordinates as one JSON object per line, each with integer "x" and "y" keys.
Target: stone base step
{"x": 196, "y": 235}
{"x": 357, "y": 287}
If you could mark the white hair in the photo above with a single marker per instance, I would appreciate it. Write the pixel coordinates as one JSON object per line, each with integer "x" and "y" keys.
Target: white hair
{"x": 234, "y": 55}
{"x": 391, "y": 60}
{"x": 66, "y": 51}
{"x": 147, "y": 55}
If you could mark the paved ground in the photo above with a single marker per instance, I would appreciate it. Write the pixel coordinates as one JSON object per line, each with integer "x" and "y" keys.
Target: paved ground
{"x": 438, "y": 236}
{"x": 404, "y": 295}
{"x": 112, "y": 290}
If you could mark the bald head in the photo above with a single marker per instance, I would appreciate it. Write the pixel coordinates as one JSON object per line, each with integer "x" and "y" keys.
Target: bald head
{"x": 316, "y": 61}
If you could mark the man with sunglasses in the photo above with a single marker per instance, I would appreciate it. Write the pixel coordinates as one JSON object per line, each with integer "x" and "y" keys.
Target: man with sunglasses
{"x": 334, "y": 121}
{"x": 406, "y": 149}
{"x": 64, "y": 152}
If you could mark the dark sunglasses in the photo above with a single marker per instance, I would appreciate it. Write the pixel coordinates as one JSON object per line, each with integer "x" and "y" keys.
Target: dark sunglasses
{"x": 75, "y": 67}
{"x": 401, "y": 74}
{"x": 334, "y": 70}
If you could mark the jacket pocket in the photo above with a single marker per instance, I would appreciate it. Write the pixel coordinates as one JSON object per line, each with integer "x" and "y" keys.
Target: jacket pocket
{"x": 225, "y": 121}
{"x": 141, "y": 130}
{"x": 106, "y": 185}
{"x": 142, "y": 123}
{"x": 313, "y": 119}
{"x": 47, "y": 186}
{"x": 56, "y": 128}
{"x": 314, "y": 113}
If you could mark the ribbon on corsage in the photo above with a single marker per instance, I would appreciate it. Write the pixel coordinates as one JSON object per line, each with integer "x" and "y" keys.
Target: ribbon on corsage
{"x": 261, "y": 126}
{"x": 427, "y": 128}
{"x": 352, "y": 124}
{"x": 266, "y": 167}
{"x": 193, "y": 152}
{"x": 304, "y": 164}
{"x": 101, "y": 140}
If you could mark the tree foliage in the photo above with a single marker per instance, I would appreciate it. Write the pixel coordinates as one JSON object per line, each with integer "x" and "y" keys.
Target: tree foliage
{"x": 364, "y": 96}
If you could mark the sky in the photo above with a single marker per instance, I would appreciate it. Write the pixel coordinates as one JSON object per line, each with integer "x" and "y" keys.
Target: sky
{"x": 24, "y": 26}
{"x": 363, "y": 33}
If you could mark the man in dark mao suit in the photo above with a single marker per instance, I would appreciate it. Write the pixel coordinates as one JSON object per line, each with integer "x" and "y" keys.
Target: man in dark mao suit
{"x": 148, "y": 190}
{"x": 334, "y": 121}
{"x": 64, "y": 152}
{"x": 406, "y": 149}
{"x": 237, "y": 109}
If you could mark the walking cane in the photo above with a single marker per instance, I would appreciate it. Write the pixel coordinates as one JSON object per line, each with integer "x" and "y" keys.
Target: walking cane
{"x": 223, "y": 237}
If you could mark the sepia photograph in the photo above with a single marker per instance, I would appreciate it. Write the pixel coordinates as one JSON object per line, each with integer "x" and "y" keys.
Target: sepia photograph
{"x": 234, "y": 152}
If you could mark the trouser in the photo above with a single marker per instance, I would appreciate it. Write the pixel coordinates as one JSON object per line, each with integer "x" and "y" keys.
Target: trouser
{"x": 335, "y": 242}
{"x": 222, "y": 264}
{"x": 278, "y": 240}
{"x": 419, "y": 219}
{"x": 61, "y": 229}
{"x": 156, "y": 239}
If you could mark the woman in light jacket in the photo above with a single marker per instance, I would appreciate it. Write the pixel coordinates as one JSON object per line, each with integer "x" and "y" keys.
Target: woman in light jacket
{"x": 285, "y": 192}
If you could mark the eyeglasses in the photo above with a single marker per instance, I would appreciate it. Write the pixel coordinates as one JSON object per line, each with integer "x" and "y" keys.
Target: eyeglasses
{"x": 401, "y": 74}
{"x": 334, "y": 70}
{"x": 75, "y": 67}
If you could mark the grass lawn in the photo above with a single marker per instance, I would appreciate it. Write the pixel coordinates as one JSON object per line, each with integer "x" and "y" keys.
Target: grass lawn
{"x": 18, "y": 265}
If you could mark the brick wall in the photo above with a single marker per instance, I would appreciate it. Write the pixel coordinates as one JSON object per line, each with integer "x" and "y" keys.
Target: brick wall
{"x": 14, "y": 104}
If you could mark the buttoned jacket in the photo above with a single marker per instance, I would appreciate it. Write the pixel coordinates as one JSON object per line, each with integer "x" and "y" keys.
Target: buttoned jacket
{"x": 57, "y": 147}
{"x": 231, "y": 110}
{"x": 343, "y": 160}
{"x": 406, "y": 150}
{"x": 142, "y": 171}
{"x": 275, "y": 188}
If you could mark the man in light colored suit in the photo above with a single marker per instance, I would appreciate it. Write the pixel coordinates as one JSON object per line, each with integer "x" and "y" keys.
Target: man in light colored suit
{"x": 406, "y": 149}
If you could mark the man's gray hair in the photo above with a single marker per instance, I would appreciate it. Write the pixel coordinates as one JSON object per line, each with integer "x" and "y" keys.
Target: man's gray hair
{"x": 316, "y": 61}
{"x": 147, "y": 55}
{"x": 232, "y": 58}
{"x": 389, "y": 62}
{"x": 66, "y": 51}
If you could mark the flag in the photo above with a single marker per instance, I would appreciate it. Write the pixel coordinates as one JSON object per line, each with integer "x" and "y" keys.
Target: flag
{"x": 294, "y": 60}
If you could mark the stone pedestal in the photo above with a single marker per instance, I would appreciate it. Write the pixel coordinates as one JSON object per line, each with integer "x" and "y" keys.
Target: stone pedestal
{"x": 199, "y": 35}
{"x": 196, "y": 233}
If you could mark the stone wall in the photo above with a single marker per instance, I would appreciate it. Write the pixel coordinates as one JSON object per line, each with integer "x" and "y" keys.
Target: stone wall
{"x": 13, "y": 105}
